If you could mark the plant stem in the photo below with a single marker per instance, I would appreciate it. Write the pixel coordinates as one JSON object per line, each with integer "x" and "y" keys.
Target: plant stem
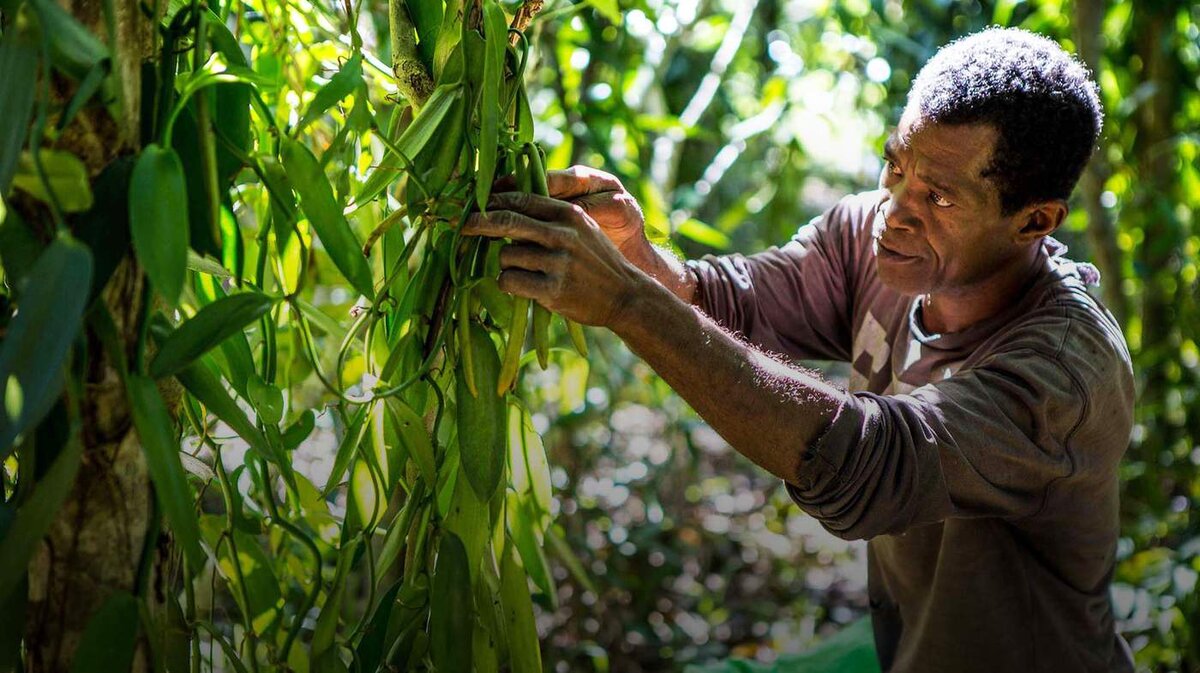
{"x": 412, "y": 78}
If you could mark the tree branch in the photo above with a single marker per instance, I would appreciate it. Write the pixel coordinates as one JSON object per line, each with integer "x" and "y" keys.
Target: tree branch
{"x": 412, "y": 78}
{"x": 524, "y": 16}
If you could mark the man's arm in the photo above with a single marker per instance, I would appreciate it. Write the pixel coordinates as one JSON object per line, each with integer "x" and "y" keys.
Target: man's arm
{"x": 664, "y": 267}
{"x": 768, "y": 411}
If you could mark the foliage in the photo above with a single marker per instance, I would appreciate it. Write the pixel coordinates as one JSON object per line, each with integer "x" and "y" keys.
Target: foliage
{"x": 328, "y": 406}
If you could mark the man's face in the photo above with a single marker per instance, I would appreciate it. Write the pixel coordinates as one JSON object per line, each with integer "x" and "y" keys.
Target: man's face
{"x": 944, "y": 231}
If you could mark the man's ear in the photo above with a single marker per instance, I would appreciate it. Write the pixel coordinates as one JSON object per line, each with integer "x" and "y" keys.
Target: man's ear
{"x": 1041, "y": 219}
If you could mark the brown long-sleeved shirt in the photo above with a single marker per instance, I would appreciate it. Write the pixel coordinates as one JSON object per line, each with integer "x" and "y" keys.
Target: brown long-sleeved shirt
{"x": 981, "y": 465}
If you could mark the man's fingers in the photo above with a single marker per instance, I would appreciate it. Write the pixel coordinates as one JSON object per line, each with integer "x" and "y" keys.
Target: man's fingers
{"x": 529, "y": 284}
{"x": 505, "y": 184}
{"x": 530, "y": 257}
{"x": 509, "y": 224}
{"x": 578, "y": 181}
{"x": 539, "y": 207}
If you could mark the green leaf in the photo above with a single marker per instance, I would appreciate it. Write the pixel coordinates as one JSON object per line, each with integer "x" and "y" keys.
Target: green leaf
{"x": 19, "y": 251}
{"x": 66, "y": 177}
{"x": 428, "y": 120}
{"x": 18, "y": 64}
{"x": 158, "y": 220}
{"x": 427, "y": 19}
{"x": 530, "y": 469}
{"x": 348, "y": 447}
{"x": 267, "y": 400}
{"x": 300, "y": 430}
{"x": 496, "y": 37}
{"x": 326, "y": 627}
{"x": 109, "y": 639}
{"x": 468, "y": 518}
{"x": 73, "y": 49}
{"x": 35, "y": 515}
{"x": 205, "y": 264}
{"x": 210, "y": 326}
{"x": 524, "y": 651}
{"x": 522, "y": 523}
{"x": 344, "y": 83}
{"x": 323, "y": 211}
{"x": 40, "y": 337}
{"x": 205, "y": 385}
{"x": 704, "y": 234}
{"x": 481, "y": 420}
{"x": 160, "y": 443}
{"x": 411, "y": 430}
{"x": 451, "y": 613}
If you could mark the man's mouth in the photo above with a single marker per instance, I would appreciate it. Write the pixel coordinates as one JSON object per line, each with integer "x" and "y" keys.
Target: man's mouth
{"x": 884, "y": 252}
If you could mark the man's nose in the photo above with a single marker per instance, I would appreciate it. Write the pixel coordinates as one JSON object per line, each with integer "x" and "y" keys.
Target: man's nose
{"x": 897, "y": 209}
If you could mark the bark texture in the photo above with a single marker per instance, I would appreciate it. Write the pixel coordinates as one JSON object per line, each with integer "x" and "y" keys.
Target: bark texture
{"x": 96, "y": 543}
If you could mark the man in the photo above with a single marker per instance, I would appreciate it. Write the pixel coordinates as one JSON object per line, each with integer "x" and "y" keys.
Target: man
{"x": 991, "y": 396}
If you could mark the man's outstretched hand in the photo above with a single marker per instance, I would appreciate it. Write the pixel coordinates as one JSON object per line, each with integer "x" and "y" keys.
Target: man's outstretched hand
{"x": 560, "y": 257}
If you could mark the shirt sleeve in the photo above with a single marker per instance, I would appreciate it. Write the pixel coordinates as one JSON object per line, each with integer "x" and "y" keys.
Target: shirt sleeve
{"x": 989, "y": 441}
{"x": 794, "y": 299}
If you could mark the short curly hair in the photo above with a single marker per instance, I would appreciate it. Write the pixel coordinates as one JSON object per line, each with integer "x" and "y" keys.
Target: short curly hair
{"x": 1042, "y": 102}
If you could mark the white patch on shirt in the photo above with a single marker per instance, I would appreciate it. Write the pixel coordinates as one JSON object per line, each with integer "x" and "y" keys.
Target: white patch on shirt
{"x": 914, "y": 354}
{"x": 871, "y": 340}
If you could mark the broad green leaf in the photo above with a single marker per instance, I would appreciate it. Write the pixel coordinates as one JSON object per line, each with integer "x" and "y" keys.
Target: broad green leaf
{"x": 39, "y": 338}
{"x": 104, "y": 229}
{"x": 109, "y": 639}
{"x": 522, "y": 523}
{"x": 530, "y": 469}
{"x": 326, "y": 627}
{"x": 411, "y": 430}
{"x": 35, "y": 514}
{"x": 19, "y": 251}
{"x": 210, "y": 326}
{"x": 18, "y": 63}
{"x": 205, "y": 385}
{"x": 160, "y": 443}
{"x": 427, "y": 19}
{"x": 481, "y": 420}
{"x": 427, "y": 121}
{"x": 468, "y": 519}
{"x": 496, "y": 37}
{"x": 525, "y": 653}
{"x": 323, "y": 211}
{"x": 204, "y": 264}
{"x": 158, "y": 221}
{"x": 73, "y": 49}
{"x": 449, "y": 37}
{"x": 65, "y": 176}
{"x": 356, "y": 431}
{"x": 369, "y": 651}
{"x": 299, "y": 431}
{"x": 451, "y": 613}
{"x": 267, "y": 400}
{"x": 344, "y": 83}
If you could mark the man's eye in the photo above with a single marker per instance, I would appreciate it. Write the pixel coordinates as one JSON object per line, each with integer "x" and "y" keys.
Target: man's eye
{"x": 891, "y": 166}
{"x": 939, "y": 200}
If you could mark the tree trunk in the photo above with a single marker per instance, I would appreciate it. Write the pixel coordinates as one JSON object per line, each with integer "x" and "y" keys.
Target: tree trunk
{"x": 95, "y": 546}
{"x": 1101, "y": 230}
